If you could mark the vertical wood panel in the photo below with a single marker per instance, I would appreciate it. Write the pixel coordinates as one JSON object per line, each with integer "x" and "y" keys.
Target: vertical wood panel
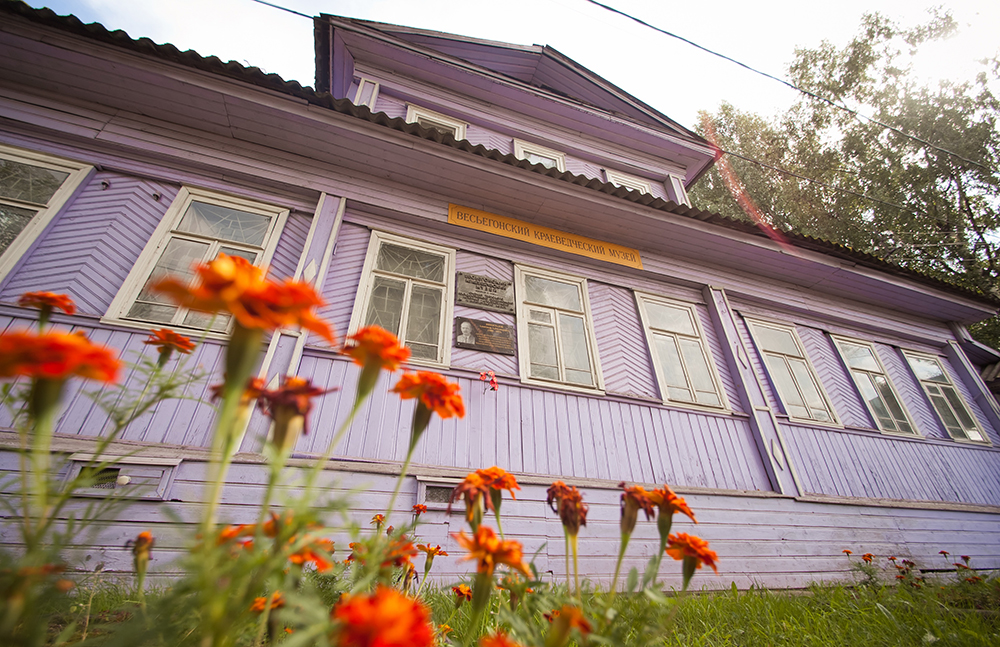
{"x": 344, "y": 276}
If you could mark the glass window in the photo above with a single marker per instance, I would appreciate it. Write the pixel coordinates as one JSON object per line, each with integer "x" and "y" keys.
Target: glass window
{"x": 406, "y": 288}
{"x": 436, "y": 120}
{"x": 367, "y": 93}
{"x": 197, "y": 227}
{"x": 791, "y": 372}
{"x": 32, "y": 189}
{"x": 628, "y": 181}
{"x": 683, "y": 367}
{"x": 556, "y": 339}
{"x": 875, "y": 387}
{"x": 945, "y": 398}
{"x": 537, "y": 154}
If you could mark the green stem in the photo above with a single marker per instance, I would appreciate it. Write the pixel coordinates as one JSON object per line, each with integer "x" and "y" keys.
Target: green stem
{"x": 576, "y": 569}
{"x": 399, "y": 482}
{"x": 496, "y": 513}
{"x": 566, "y": 542}
{"x": 618, "y": 566}
{"x": 337, "y": 437}
{"x": 44, "y": 404}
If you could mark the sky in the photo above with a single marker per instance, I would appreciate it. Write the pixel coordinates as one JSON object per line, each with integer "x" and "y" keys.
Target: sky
{"x": 673, "y": 77}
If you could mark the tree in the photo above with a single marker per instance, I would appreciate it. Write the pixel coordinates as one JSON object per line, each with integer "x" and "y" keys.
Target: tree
{"x": 930, "y": 202}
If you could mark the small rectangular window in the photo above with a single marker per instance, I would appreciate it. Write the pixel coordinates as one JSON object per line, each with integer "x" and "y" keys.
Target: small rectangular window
{"x": 537, "y": 154}
{"x": 435, "y": 120}
{"x": 198, "y": 226}
{"x": 33, "y": 187}
{"x": 367, "y": 93}
{"x": 406, "y": 288}
{"x": 628, "y": 181}
{"x": 676, "y": 191}
{"x": 791, "y": 372}
{"x": 684, "y": 369}
{"x": 556, "y": 341}
{"x": 945, "y": 398}
{"x": 875, "y": 386}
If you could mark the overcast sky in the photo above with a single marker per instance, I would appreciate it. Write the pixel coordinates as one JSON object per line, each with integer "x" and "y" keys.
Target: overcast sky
{"x": 673, "y": 77}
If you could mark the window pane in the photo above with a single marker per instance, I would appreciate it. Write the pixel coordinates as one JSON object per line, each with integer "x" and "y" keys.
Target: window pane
{"x": 29, "y": 183}
{"x": 895, "y": 408}
{"x": 411, "y": 262}
{"x": 553, "y": 293}
{"x": 928, "y": 369}
{"x": 670, "y": 318}
{"x": 809, "y": 391}
{"x": 424, "y": 317}
{"x": 544, "y": 160}
{"x": 859, "y": 357}
{"x": 778, "y": 341}
{"x": 436, "y": 125}
{"x": 12, "y": 221}
{"x": 947, "y": 416}
{"x": 698, "y": 369}
{"x": 576, "y": 356}
{"x": 152, "y": 312}
{"x": 786, "y": 387}
{"x": 177, "y": 260}
{"x": 385, "y": 308}
{"x": 673, "y": 372}
{"x": 201, "y": 320}
{"x": 871, "y": 395}
{"x": 214, "y": 221}
{"x": 542, "y": 352}
{"x": 232, "y": 251}
{"x": 955, "y": 400}
{"x": 540, "y": 316}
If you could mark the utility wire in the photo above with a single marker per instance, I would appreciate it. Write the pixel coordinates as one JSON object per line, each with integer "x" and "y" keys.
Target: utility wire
{"x": 788, "y": 84}
{"x": 278, "y": 6}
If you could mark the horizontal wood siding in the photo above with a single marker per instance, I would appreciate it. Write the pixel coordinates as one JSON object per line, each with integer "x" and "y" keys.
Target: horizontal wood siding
{"x": 89, "y": 249}
{"x": 293, "y": 239}
{"x": 772, "y": 542}
{"x": 836, "y": 463}
{"x": 389, "y": 104}
{"x": 344, "y": 276}
{"x": 538, "y": 431}
{"x": 494, "y": 268}
{"x": 837, "y": 382}
{"x": 621, "y": 342}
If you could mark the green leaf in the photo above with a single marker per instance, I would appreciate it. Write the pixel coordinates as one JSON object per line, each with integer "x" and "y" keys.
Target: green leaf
{"x": 633, "y": 580}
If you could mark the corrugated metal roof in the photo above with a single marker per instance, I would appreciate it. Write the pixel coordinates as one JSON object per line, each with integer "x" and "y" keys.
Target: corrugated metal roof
{"x": 254, "y": 76}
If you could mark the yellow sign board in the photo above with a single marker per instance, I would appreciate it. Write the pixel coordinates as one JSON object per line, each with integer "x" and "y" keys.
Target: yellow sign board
{"x": 551, "y": 238}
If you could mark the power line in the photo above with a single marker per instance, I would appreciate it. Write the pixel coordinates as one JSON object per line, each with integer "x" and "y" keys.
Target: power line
{"x": 278, "y": 6}
{"x": 788, "y": 84}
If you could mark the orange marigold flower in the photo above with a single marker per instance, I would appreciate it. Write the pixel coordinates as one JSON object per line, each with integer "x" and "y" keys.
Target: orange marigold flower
{"x": 568, "y": 503}
{"x": 551, "y": 615}
{"x": 564, "y": 621}
{"x": 965, "y": 558}
{"x": 254, "y": 388}
{"x": 230, "y": 533}
{"x": 376, "y": 345}
{"x": 55, "y": 356}
{"x": 316, "y": 553}
{"x": 47, "y": 300}
{"x": 634, "y": 498}
{"x": 892, "y": 558}
{"x": 499, "y": 479}
{"x": 259, "y": 604}
{"x": 473, "y": 489}
{"x": 462, "y": 593}
{"x": 167, "y": 340}
{"x": 433, "y": 391}
{"x": 943, "y": 552}
{"x": 399, "y": 553}
{"x": 232, "y": 284}
{"x": 64, "y": 586}
{"x": 847, "y": 552}
{"x": 378, "y": 520}
{"x": 490, "y": 551}
{"x": 669, "y": 503}
{"x": 385, "y": 619}
{"x": 499, "y": 639}
{"x": 432, "y": 551}
{"x": 143, "y": 545}
{"x": 290, "y": 402}
{"x": 444, "y": 629}
{"x": 419, "y": 509}
{"x": 683, "y": 545}
{"x": 868, "y": 557}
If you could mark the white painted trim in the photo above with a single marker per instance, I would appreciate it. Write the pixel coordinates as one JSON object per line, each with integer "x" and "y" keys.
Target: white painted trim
{"x": 522, "y": 149}
{"x": 838, "y": 340}
{"x": 641, "y": 299}
{"x": 78, "y": 171}
{"x": 628, "y": 181}
{"x": 751, "y": 323}
{"x": 676, "y": 191}
{"x": 524, "y": 360}
{"x": 909, "y": 355}
{"x": 413, "y": 113}
{"x": 164, "y": 232}
{"x": 374, "y": 97}
{"x": 447, "y": 311}
{"x": 111, "y": 461}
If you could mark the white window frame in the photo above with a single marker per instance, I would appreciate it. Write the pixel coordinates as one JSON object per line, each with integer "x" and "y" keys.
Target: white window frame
{"x": 642, "y": 299}
{"x": 804, "y": 357}
{"x": 164, "y": 233}
{"x": 414, "y": 113}
{"x": 838, "y": 342}
{"x": 977, "y": 427}
{"x": 78, "y": 172}
{"x": 524, "y": 352}
{"x": 374, "y": 97}
{"x": 676, "y": 191}
{"x": 369, "y": 273}
{"x": 522, "y": 149}
{"x": 628, "y": 181}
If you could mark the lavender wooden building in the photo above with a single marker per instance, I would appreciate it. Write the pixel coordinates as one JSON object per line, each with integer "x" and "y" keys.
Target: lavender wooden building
{"x": 501, "y": 208}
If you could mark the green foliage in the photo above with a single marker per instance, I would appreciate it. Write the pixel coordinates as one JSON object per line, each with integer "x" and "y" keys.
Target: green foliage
{"x": 886, "y": 194}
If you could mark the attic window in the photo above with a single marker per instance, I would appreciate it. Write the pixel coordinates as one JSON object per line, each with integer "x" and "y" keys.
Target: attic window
{"x": 537, "y": 154}
{"x": 676, "y": 190}
{"x": 367, "y": 93}
{"x": 435, "y": 120}
{"x": 628, "y": 181}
